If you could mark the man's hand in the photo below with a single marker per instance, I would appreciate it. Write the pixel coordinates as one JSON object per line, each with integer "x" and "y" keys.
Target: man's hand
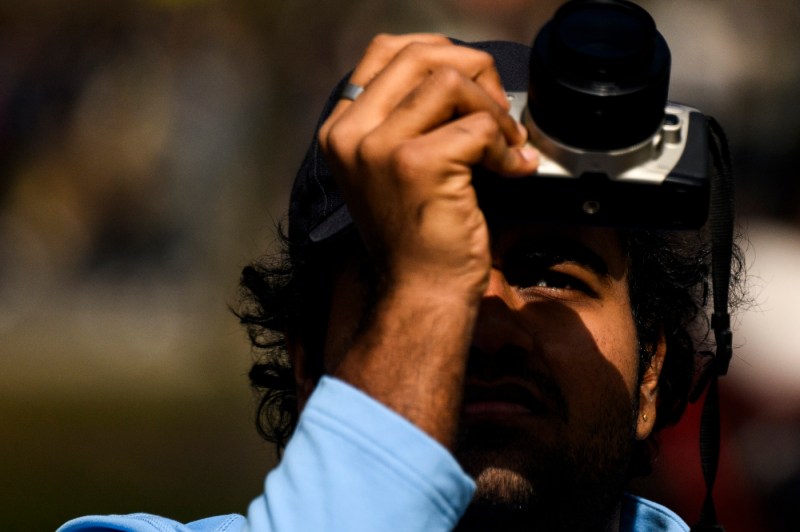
{"x": 404, "y": 151}
{"x": 403, "y": 154}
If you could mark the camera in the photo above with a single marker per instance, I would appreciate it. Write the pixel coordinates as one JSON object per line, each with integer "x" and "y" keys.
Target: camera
{"x": 614, "y": 151}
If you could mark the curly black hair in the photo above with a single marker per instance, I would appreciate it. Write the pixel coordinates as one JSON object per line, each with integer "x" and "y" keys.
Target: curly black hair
{"x": 286, "y": 294}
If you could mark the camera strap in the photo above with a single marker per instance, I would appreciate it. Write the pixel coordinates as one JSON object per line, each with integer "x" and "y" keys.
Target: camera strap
{"x": 722, "y": 227}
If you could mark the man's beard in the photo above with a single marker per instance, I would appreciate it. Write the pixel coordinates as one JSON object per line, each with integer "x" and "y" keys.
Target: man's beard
{"x": 572, "y": 480}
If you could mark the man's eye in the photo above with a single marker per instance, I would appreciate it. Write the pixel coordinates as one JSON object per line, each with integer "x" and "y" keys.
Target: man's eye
{"x": 550, "y": 280}
{"x": 559, "y": 280}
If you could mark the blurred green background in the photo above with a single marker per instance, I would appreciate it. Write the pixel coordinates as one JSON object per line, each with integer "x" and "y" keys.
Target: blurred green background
{"x": 146, "y": 150}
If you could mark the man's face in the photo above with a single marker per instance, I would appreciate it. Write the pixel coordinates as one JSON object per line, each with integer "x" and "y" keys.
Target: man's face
{"x": 552, "y": 401}
{"x": 553, "y": 396}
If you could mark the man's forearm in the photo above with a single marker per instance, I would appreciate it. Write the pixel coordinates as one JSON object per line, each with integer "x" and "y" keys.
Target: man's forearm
{"x": 412, "y": 358}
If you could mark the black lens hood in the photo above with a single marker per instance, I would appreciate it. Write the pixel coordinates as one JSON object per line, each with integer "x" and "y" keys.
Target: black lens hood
{"x": 599, "y": 75}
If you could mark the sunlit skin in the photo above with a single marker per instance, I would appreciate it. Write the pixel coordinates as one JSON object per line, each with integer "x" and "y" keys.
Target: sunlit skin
{"x": 552, "y": 370}
{"x": 514, "y": 347}
{"x": 556, "y": 320}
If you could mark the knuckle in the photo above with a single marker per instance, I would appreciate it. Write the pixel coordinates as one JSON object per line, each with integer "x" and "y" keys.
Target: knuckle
{"x": 382, "y": 41}
{"x": 484, "y": 125}
{"x": 406, "y": 159}
{"x": 414, "y": 50}
{"x": 323, "y": 135}
{"x": 397, "y": 43}
{"x": 439, "y": 38}
{"x": 335, "y": 140}
{"x": 370, "y": 150}
{"x": 483, "y": 59}
{"x": 399, "y": 162}
{"x": 448, "y": 78}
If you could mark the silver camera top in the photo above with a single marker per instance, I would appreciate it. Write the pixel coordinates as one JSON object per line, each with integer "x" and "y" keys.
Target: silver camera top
{"x": 650, "y": 161}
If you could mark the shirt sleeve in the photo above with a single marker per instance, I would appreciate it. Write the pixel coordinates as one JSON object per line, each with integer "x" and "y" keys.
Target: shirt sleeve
{"x": 352, "y": 465}
{"x": 642, "y": 515}
{"x": 355, "y": 465}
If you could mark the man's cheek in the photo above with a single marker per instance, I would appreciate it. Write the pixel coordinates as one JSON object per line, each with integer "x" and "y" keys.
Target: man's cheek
{"x": 591, "y": 381}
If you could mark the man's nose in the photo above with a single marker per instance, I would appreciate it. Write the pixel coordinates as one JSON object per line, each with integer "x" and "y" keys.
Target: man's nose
{"x": 501, "y": 320}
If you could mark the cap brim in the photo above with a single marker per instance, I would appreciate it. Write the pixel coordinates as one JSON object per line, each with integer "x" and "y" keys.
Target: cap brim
{"x": 332, "y": 224}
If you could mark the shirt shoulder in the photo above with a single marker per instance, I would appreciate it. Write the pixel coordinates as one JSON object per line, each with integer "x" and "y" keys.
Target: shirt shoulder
{"x": 642, "y": 515}
{"x": 349, "y": 453}
{"x": 152, "y": 523}
{"x": 363, "y": 467}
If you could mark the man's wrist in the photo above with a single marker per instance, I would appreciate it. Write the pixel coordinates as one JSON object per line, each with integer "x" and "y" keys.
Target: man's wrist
{"x": 411, "y": 356}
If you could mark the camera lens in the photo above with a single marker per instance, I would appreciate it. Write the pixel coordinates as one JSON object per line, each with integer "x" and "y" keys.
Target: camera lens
{"x": 599, "y": 75}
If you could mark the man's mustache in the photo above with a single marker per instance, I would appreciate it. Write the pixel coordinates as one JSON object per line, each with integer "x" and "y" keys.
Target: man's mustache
{"x": 508, "y": 376}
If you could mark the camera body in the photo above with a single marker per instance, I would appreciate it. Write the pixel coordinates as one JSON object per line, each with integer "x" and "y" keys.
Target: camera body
{"x": 614, "y": 151}
{"x": 659, "y": 183}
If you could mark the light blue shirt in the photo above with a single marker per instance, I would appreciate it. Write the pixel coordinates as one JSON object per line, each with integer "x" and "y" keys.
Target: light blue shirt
{"x": 354, "y": 465}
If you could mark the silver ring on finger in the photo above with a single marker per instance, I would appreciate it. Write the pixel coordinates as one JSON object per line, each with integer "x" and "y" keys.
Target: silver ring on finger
{"x": 351, "y": 91}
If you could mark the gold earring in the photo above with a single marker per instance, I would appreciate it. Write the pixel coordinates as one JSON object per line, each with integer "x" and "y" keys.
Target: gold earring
{"x": 644, "y": 417}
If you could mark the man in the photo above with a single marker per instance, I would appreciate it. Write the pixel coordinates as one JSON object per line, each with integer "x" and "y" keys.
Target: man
{"x": 453, "y": 372}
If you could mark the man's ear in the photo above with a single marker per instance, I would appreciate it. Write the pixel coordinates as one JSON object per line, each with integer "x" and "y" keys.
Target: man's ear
{"x": 303, "y": 380}
{"x": 648, "y": 391}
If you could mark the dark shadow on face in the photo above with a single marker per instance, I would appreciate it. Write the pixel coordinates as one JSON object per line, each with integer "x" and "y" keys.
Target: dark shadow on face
{"x": 551, "y": 402}
{"x": 553, "y": 467}
{"x": 551, "y": 397}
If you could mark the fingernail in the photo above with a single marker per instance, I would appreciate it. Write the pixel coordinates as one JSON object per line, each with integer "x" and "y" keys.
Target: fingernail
{"x": 529, "y": 153}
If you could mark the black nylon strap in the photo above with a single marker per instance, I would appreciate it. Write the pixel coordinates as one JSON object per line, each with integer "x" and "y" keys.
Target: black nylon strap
{"x": 721, "y": 223}
{"x": 709, "y": 457}
{"x": 722, "y": 215}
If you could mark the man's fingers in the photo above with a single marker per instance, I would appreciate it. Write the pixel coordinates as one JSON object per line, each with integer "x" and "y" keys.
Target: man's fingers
{"x": 477, "y": 140}
{"x": 473, "y": 140}
{"x": 411, "y": 67}
{"x": 443, "y": 95}
{"x": 383, "y": 48}
{"x": 414, "y": 60}
{"x": 381, "y": 51}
